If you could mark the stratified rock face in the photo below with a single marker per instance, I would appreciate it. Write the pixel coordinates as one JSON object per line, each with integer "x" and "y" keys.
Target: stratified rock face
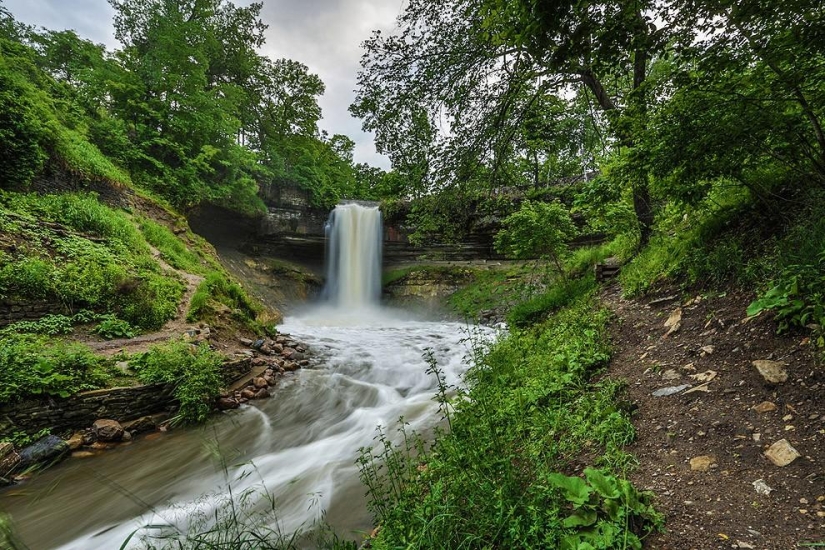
{"x": 108, "y": 430}
{"x": 48, "y": 449}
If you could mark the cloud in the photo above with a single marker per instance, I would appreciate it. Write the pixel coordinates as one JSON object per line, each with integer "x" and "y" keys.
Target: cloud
{"x": 325, "y": 35}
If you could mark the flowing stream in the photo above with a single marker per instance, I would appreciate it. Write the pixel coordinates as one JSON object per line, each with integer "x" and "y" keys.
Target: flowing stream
{"x": 299, "y": 447}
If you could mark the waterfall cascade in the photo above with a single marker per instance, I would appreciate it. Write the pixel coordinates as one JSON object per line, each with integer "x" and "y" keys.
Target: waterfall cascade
{"x": 354, "y": 256}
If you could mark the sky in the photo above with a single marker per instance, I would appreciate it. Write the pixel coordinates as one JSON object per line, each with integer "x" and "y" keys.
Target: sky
{"x": 325, "y": 35}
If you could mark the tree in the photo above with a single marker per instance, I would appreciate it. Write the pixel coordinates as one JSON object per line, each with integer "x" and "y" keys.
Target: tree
{"x": 536, "y": 230}
{"x": 481, "y": 67}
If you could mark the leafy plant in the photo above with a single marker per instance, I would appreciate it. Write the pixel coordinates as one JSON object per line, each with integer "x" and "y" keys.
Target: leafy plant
{"x": 797, "y": 299}
{"x": 194, "y": 370}
{"x": 604, "y": 511}
{"x": 33, "y": 365}
{"x": 110, "y": 327}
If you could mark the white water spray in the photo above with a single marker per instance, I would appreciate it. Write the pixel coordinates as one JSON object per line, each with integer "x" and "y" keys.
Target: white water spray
{"x": 354, "y": 256}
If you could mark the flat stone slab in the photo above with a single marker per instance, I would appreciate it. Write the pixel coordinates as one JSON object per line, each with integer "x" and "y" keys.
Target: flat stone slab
{"x": 782, "y": 453}
{"x": 772, "y": 371}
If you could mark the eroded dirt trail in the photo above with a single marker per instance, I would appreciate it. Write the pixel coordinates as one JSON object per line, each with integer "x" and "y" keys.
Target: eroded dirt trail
{"x": 702, "y": 449}
{"x": 173, "y": 328}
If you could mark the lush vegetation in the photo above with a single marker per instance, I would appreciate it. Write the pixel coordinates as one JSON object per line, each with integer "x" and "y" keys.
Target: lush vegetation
{"x": 187, "y": 109}
{"x": 77, "y": 253}
{"x": 194, "y": 370}
{"x": 34, "y": 365}
{"x": 531, "y": 411}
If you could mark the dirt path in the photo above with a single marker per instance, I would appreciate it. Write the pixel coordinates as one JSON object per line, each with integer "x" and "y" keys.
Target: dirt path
{"x": 173, "y": 328}
{"x": 713, "y": 502}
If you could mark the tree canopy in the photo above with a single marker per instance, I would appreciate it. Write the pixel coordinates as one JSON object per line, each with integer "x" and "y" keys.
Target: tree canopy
{"x": 187, "y": 107}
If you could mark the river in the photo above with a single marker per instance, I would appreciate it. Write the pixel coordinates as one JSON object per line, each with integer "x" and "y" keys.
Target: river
{"x": 299, "y": 446}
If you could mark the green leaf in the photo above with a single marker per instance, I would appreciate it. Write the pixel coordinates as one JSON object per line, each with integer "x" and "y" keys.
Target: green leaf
{"x": 581, "y": 518}
{"x": 574, "y": 488}
{"x": 604, "y": 485}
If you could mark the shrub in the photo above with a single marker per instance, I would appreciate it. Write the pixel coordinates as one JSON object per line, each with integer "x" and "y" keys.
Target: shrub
{"x": 150, "y": 302}
{"x": 558, "y": 296}
{"x": 33, "y": 365}
{"x": 193, "y": 369}
{"x": 216, "y": 287}
{"x": 110, "y": 327}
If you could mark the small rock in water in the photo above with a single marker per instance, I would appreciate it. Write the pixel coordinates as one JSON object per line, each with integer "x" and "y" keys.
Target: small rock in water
{"x": 782, "y": 453}
{"x": 227, "y": 403}
{"x": 75, "y": 441}
{"x": 772, "y": 371}
{"x": 108, "y": 430}
{"x": 670, "y": 390}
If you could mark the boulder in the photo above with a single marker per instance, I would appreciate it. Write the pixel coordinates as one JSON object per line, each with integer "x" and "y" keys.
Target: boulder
{"x": 75, "y": 442}
{"x": 48, "y": 449}
{"x": 772, "y": 371}
{"x": 248, "y": 393}
{"x": 145, "y": 423}
{"x": 108, "y": 430}
{"x": 260, "y": 382}
{"x": 227, "y": 403}
{"x": 263, "y": 393}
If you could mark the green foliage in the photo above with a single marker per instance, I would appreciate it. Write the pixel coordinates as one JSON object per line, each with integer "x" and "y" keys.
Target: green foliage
{"x": 21, "y": 128}
{"x": 84, "y": 160}
{"x": 707, "y": 245}
{"x": 33, "y": 365}
{"x": 536, "y": 230}
{"x": 8, "y": 537}
{"x": 493, "y": 480}
{"x": 77, "y": 252}
{"x": 193, "y": 369}
{"x": 173, "y": 250}
{"x": 538, "y": 307}
{"x": 495, "y": 288}
{"x": 51, "y": 325}
{"x": 602, "y": 507}
{"x": 217, "y": 289}
{"x": 110, "y": 327}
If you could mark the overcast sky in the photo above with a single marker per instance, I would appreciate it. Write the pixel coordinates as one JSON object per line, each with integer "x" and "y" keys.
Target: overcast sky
{"x": 325, "y": 35}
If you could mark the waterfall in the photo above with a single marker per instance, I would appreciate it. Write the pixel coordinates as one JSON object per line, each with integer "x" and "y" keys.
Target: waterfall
{"x": 354, "y": 256}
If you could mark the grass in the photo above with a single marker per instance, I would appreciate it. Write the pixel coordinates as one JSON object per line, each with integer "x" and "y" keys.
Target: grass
{"x": 172, "y": 249}
{"x": 72, "y": 250}
{"x": 217, "y": 290}
{"x": 508, "y": 472}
